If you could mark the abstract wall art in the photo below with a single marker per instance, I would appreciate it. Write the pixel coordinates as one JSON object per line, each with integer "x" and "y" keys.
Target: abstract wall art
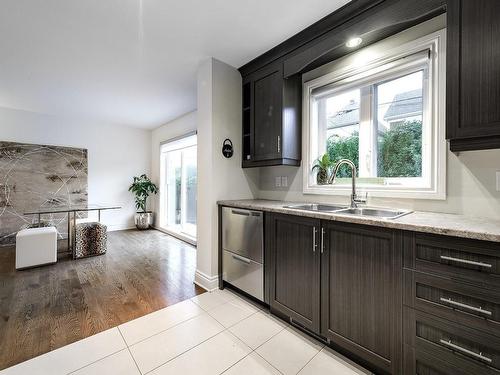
{"x": 36, "y": 177}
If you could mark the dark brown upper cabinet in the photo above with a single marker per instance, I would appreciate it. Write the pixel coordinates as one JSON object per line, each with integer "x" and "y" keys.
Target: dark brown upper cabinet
{"x": 294, "y": 266}
{"x": 473, "y": 75}
{"x": 271, "y": 118}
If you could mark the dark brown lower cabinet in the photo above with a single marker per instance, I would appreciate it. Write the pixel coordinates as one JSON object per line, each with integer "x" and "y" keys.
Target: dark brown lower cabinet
{"x": 396, "y": 302}
{"x": 342, "y": 282}
{"x": 361, "y": 293}
{"x": 294, "y": 281}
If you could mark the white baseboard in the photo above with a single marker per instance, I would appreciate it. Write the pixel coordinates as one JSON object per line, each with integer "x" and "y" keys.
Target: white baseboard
{"x": 206, "y": 282}
{"x": 114, "y": 228}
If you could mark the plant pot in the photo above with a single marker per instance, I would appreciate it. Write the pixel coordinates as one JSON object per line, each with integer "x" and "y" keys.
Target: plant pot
{"x": 322, "y": 177}
{"x": 143, "y": 220}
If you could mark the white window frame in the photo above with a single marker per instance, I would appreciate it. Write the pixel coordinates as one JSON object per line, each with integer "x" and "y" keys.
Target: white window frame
{"x": 434, "y": 119}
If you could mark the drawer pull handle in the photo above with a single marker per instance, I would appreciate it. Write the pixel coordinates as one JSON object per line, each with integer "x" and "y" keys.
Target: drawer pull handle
{"x": 465, "y": 261}
{"x": 241, "y": 259}
{"x": 463, "y": 305}
{"x": 479, "y": 355}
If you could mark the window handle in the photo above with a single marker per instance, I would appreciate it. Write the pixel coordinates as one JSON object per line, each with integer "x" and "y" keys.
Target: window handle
{"x": 279, "y": 144}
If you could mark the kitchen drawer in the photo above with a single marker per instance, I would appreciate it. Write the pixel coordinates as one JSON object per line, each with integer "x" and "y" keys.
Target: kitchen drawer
{"x": 473, "y": 351}
{"x": 243, "y": 273}
{"x": 463, "y": 303}
{"x": 419, "y": 362}
{"x": 468, "y": 260}
{"x": 242, "y": 232}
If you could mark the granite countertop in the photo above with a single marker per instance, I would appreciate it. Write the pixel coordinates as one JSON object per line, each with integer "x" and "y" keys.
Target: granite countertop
{"x": 427, "y": 222}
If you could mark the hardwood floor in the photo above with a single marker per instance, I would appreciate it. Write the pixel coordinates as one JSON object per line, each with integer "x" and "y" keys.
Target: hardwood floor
{"x": 44, "y": 308}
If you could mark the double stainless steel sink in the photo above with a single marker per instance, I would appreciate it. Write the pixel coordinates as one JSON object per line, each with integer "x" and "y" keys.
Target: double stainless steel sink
{"x": 382, "y": 213}
{"x": 317, "y": 207}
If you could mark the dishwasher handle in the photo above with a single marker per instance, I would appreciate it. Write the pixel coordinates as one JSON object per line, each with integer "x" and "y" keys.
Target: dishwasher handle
{"x": 241, "y": 259}
{"x": 246, "y": 213}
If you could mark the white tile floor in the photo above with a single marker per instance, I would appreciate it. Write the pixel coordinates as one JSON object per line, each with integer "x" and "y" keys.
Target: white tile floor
{"x": 212, "y": 333}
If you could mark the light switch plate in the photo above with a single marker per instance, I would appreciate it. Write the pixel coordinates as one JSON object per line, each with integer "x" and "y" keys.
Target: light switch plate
{"x": 277, "y": 181}
{"x": 284, "y": 181}
{"x": 498, "y": 180}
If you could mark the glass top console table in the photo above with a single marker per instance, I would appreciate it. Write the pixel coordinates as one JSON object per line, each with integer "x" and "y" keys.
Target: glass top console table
{"x": 71, "y": 211}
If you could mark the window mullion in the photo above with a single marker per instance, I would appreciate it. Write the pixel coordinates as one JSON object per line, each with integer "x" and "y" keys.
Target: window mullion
{"x": 366, "y": 134}
{"x": 374, "y": 130}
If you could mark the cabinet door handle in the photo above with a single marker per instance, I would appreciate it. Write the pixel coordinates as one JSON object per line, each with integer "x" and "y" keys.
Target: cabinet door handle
{"x": 465, "y": 261}
{"x": 279, "y": 144}
{"x": 314, "y": 239}
{"x": 479, "y": 355}
{"x": 322, "y": 240}
{"x": 465, "y": 306}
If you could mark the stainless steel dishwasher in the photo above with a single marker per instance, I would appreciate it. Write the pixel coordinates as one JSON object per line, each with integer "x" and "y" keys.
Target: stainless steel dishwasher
{"x": 243, "y": 250}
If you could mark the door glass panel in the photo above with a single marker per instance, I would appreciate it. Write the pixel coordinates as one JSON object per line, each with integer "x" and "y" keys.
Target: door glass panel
{"x": 173, "y": 184}
{"x": 189, "y": 194}
{"x": 178, "y": 194}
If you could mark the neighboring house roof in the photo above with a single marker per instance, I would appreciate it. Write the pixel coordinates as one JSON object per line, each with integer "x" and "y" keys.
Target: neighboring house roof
{"x": 405, "y": 104}
{"x": 349, "y": 115}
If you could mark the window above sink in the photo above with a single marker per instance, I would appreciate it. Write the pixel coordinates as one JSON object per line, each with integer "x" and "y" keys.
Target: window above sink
{"x": 384, "y": 110}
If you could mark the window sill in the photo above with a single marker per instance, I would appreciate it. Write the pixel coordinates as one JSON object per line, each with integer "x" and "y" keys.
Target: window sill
{"x": 382, "y": 192}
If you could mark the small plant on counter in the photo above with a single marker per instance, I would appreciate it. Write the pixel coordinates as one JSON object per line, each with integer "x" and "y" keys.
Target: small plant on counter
{"x": 323, "y": 165}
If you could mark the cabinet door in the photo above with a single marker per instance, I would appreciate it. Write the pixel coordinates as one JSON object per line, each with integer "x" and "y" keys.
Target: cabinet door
{"x": 473, "y": 74}
{"x": 361, "y": 293}
{"x": 267, "y": 128}
{"x": 295, "y": 268}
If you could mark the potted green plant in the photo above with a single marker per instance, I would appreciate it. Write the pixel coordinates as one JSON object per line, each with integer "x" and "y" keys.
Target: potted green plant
{"x": 142, "y": 188}
{"x": 323, "y": 164}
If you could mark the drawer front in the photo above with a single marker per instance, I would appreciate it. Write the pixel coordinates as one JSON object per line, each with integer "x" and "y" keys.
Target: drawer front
{"x": 419, "y": 362}
{"x": 462, "y": 259}
{"x": 244, "y": 274}
{"x": 459, "y": 302}
{"x": 242, "y": 232}
{"x": 469, "y": 349}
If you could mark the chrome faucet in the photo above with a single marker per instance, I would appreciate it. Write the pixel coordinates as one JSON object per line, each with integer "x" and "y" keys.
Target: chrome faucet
{"x": 355, "y": 200}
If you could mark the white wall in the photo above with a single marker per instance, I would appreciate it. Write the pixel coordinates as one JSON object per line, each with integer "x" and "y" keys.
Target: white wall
{"x": 178, "y": 127}
{"x": 115, "y": 155}
{"x": 219, "y": 117}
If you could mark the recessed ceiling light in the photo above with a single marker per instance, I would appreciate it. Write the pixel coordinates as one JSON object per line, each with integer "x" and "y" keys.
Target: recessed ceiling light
{"x": 354, "y": 42}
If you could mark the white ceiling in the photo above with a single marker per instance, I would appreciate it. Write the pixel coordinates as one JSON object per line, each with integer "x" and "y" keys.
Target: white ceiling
{"x": 132, "y": 62}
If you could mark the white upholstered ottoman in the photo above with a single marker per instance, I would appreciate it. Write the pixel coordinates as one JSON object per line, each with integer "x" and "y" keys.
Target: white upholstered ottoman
{"x": 35, "y": 247}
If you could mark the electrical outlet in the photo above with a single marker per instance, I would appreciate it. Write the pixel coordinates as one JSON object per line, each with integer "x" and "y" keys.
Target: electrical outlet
{"x": 284, "y": 181}
{"x": 498, "y": 180}
{"x": 277, "y": 181}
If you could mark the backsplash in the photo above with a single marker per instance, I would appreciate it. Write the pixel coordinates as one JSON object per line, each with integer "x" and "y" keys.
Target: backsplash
{"x": 471, "y": 187}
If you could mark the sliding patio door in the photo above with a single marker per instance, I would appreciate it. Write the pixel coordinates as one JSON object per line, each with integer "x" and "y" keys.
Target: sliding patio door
{"x": 178, "y": 187}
